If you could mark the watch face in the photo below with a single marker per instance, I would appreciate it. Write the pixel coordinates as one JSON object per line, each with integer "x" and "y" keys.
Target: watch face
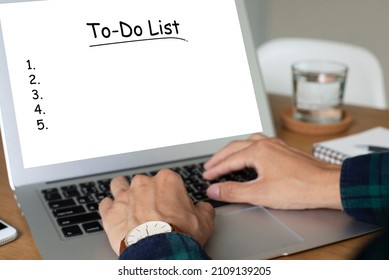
{"x": 147, "y": 229}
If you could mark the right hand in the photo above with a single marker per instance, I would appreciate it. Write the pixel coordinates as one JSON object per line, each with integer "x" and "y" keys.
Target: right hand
{"x": 162, "y": 197}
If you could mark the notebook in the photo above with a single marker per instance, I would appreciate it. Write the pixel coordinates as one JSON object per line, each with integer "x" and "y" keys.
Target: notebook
{"x": 130, "y": 87}
{"x": 337, "y": 150}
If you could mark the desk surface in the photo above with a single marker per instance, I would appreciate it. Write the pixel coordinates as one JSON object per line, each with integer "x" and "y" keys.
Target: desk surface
{"x": 364, "y": 118}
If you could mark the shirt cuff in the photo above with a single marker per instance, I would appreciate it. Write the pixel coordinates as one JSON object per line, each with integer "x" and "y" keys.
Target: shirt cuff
{"x": 165, "y": 246}
{"x": 364, "y": 187}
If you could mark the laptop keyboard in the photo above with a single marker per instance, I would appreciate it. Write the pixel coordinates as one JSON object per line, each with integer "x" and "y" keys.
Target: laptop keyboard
{"x": 75, "y": 207}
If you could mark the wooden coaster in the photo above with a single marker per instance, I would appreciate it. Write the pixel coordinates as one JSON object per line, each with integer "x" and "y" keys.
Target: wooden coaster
{"x": 313, "y": 128}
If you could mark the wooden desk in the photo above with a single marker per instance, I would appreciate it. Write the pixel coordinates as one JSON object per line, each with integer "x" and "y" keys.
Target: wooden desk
{"x": 364, "y": 118}
{"x": 23, "y": 247}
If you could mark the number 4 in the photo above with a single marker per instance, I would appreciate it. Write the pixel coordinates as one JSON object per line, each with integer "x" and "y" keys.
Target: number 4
{"x": 38, "y": 109}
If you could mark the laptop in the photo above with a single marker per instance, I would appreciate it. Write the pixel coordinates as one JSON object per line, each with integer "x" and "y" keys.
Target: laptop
{"x": 130, "y": 87}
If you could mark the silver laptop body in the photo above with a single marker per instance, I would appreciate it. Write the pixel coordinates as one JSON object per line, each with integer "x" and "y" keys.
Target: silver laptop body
{"x": 241, "y": 231}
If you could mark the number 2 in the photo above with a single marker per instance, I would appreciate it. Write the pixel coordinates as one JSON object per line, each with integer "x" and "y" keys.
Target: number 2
{"x": 32, "y": 81}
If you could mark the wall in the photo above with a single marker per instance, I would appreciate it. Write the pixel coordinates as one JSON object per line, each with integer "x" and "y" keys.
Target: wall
{"x": 257, "y": 11}
{"x": 361, "y": 22}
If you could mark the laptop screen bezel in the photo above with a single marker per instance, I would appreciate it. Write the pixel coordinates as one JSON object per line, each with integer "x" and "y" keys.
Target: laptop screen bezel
{"x": 19, "y": 176}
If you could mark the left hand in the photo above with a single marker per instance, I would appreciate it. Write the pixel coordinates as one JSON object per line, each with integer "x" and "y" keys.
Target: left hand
{"x": 159, "y": 198}
{"x": 287, "y": 178}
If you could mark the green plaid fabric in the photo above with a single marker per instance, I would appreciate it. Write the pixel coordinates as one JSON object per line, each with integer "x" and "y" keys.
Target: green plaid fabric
{"x": 165, "y": 246}
{"x": 364, "y": 187}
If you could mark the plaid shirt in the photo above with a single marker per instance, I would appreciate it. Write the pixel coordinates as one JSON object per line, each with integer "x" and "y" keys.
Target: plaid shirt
{"x": 364, "y": 187}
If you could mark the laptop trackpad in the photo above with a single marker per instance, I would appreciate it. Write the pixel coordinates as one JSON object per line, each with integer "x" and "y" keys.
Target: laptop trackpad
{"x": 249, "y": 232}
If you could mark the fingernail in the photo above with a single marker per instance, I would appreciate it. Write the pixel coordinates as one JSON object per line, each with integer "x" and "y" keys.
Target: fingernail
{"x": 209, "y": 163}
{"x": 205, "y": 174}
{"x": 213, "y": 191}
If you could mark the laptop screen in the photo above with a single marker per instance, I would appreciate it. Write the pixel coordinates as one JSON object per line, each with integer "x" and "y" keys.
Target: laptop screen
{"x": 97, "y": 86}
{"x": 125, "y": 76}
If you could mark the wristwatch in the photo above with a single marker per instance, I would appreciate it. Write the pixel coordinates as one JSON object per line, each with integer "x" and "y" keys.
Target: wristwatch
{"x": 145, "y": 230}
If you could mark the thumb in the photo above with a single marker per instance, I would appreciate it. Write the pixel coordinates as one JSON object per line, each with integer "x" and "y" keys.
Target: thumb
{"x": 205, "y": 209}
{"x": 232, "y": 192}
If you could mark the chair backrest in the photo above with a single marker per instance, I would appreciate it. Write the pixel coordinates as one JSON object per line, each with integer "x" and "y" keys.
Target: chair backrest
{"x": 365, "y": 82}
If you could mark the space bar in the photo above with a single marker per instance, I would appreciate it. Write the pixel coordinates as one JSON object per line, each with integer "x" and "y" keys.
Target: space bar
{"x": 216, "y": 203}
{"x": 78, "y": 219}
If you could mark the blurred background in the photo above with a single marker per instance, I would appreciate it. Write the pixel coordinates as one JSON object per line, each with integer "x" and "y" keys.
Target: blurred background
{"x": 361, "y": 22}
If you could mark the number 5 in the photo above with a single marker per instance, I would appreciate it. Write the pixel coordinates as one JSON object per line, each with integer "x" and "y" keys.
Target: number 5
{"x": 40, "y": 124}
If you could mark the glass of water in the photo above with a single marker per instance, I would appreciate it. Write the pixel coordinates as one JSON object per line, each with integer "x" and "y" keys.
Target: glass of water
{"x": 318, "y": 89}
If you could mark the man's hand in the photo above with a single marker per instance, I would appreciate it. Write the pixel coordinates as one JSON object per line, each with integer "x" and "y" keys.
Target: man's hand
{"x": 159, "y": 198}
{"x": 287, "y": 178}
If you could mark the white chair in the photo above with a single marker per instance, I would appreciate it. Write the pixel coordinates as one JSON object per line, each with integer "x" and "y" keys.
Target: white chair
{"x": 365, "y": 82}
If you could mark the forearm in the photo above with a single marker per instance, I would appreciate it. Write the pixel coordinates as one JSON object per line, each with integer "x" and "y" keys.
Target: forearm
{"x": 325, "y": 193}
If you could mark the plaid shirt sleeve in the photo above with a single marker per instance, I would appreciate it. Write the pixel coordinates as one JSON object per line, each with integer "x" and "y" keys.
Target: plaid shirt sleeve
{"x": 165, "y": 246}
{"x": 364, "y": 187}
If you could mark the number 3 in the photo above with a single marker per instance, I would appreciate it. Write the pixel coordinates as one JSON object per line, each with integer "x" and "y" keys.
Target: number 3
{"x": 35, "y": 93}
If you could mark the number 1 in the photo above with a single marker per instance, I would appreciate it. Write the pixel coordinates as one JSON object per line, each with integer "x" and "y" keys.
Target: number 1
{"x": 29, "y": 65}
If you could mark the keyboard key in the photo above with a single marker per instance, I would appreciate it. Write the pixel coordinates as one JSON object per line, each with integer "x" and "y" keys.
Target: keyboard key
{"x": 200, "y": 196}
{"x": 101, "y": 196}
{"x": 61, "y": 203}
{"x": 70, "y": 191}
{"x": 104, "y": 185}
{"x": 51, "y": 194}
{"x": 62, "y": 212}
{"x": 191, "y": 188}
{"x": 183, "y": 172}
{"x": 72, "y": 231}
{"x": 92, "y": 227}
{"x": 216, "y": 203}
{"x": 88, "y": 187}
{"x": 85, "y": 199}
{"x": 50, "y": 190}
{"x": 78, "y": 219}
{"x": 92, "y": 207}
